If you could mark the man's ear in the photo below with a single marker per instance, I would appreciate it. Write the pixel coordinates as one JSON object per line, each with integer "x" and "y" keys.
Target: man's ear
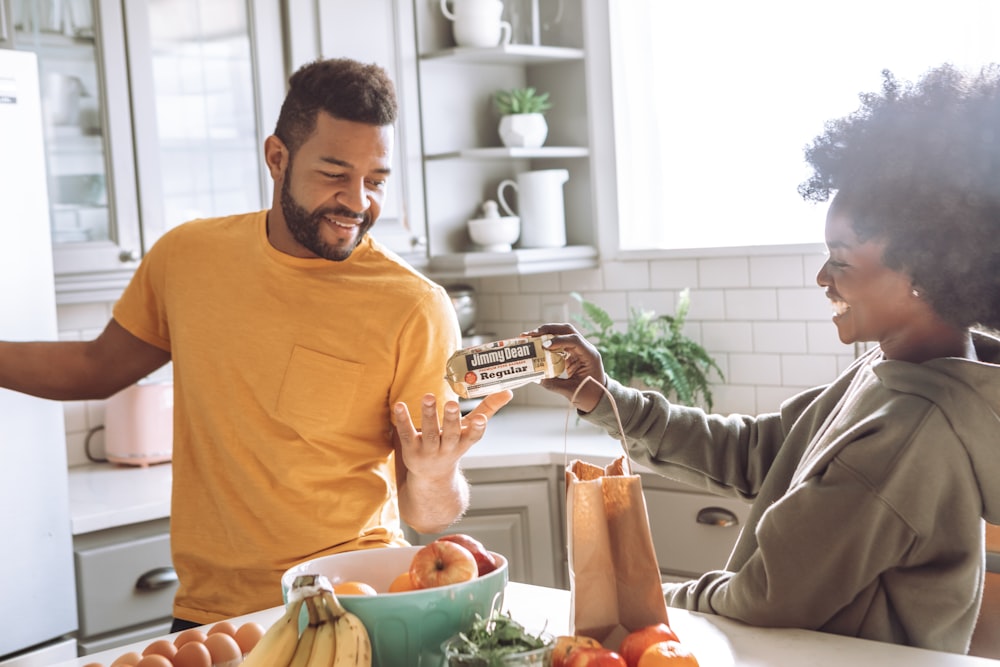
{"x": 276, "y": 156}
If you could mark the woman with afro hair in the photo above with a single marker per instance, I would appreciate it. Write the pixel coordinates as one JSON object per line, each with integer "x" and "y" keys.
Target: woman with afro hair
{"x": 868, "y": 494}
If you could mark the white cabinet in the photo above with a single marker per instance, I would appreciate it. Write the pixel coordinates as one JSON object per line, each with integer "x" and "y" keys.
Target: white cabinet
{"x": 125, "y": 585}
{"x": 155, "y": 112}
{"x": 693, "y": 532}
{"x": 515, "y": 512}
{"x": 463, "y": 158}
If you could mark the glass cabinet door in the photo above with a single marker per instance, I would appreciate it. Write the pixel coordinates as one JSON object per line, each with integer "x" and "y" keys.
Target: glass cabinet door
{"x": 74, "y": 93}
{"x": 198, "y": 145}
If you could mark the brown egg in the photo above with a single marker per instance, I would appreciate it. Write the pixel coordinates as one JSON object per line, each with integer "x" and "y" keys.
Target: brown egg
{"x": 223, "y": 626}
{"x": 248, "y": 634}
{"x": 193, "y": 654}
{"x": 154, "y": 660}
{"x": 129, "y": 659}
{"x": 191, "y": 635}
{"x": 162, "y": 647}
{"x": 223, "y": 648}
{"x": 94, "y": 664}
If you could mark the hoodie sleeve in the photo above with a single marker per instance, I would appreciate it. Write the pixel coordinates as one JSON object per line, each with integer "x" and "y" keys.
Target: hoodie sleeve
{"x": 725, "y": 455}
{"x": 826, "y": 540}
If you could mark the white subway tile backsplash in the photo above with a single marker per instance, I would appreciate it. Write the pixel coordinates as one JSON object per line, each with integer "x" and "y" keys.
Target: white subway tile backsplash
{"x": 707, "y": 304}
{"x": 806, "y": 303}
{"x": 730, "y": 399}
{"x": 823, "y": 339}
{"x": 727, "y": 336}
{"x": 661, "y": 302}
{"x": 802, "y": 370}
{"x": 755, "y": 369}
{"x": 769, "y": 399}
{"x": 724, "y": 272}
{"x": 780, "y": 337}
{"x": 535, "y": 283}
{"x": 751, "y": 304}
{"x": 776, "y": 271}
{"x": 581, "y": 280}
{"x": 521, "y": 307}
{"x": 626, "y": 275}
{"x": 673, "y": 273}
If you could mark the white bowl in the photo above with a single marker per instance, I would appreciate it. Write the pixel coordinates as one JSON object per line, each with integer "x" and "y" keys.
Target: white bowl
{"x": 495, "y": 234}
{"x": 405, "y": 628}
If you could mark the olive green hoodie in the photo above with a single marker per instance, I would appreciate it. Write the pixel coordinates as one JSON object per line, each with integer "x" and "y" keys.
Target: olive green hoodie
{"x": 868, "y": 497}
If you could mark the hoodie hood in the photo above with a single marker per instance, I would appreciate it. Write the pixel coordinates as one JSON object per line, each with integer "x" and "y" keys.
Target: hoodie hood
{"x": 968, "y": 393}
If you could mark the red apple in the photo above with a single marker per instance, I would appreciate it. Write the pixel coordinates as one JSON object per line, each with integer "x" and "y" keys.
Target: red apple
{"x": 485, "y": 561}
{"x": 567, "y": 644}
{"x": 441, "y": 563}
{"x": 635, "y": 643}
{"x": 594, "y": 657}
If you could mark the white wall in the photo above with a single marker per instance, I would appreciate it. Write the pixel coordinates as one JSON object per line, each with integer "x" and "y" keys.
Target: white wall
{"x": 763, "y": 318}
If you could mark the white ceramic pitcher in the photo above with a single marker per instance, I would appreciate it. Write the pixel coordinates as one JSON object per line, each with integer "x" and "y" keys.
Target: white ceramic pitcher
{"x": 477, "y": 22}
{"x": 540, "y": 202}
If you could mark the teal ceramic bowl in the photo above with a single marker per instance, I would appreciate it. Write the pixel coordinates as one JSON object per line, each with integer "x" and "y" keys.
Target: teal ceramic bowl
{"x": 405, "y": 628}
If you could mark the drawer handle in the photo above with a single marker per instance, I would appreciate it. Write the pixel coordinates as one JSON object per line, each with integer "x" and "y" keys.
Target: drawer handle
{"x": 156, "y": 579}
{"x": 717, "y": 516}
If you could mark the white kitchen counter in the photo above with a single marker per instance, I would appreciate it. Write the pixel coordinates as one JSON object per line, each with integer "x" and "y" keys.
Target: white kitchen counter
{"x": 107, "y": 495}
{"x": 715, "y": 641}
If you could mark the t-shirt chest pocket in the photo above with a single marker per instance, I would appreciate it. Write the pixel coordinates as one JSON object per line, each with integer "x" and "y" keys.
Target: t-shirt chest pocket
{"x": 318, "y": 392}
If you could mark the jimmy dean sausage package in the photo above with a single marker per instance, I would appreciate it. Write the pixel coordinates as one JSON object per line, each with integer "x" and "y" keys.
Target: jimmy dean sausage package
{"x": 502, "y": 364}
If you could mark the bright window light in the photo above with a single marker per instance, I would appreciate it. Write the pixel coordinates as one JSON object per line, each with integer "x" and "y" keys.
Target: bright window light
{"x": 715, "y": 102}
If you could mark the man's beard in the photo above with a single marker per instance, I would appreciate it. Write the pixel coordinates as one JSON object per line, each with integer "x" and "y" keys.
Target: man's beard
{"x": 305, "y": 226}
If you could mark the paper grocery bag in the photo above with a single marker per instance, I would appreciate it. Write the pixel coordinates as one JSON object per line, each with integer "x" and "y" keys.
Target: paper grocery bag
{"x": 614, "y": 576}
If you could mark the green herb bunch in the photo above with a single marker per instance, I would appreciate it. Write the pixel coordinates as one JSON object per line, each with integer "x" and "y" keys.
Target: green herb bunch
{"x": 492, "y": 640}
{"x": 521, "y": 100}
{"x": 652, "y": 350}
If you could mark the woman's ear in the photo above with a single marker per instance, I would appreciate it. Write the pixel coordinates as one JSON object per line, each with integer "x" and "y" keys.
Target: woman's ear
{"x": 276, "y": 157}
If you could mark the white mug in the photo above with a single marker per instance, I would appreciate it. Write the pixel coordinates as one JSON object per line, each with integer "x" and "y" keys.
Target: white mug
{"x": 477, "y": 22}
{"x": 540, "y": 202}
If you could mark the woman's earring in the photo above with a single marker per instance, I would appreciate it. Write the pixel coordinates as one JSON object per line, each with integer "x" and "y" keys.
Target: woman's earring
{"x": 915, "y": 293}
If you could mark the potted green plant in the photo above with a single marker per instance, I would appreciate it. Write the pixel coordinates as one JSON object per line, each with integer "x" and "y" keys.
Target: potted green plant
{"x": 652, "y": 352}
{"x": 522, "y": 117}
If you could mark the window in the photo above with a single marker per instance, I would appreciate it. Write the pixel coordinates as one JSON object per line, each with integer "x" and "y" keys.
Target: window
{"x": 715, "y": 102}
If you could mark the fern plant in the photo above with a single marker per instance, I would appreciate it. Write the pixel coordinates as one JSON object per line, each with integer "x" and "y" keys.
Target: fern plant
{"x": 521, "y": 100}
{"x": 652, "y": 350}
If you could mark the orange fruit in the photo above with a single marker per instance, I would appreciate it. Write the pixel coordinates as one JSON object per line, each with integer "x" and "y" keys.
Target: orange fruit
{"x": 566, "y": 644}
{"x": 667, "y": 654}
{"x": 402, "y": 583}
{"x": 636, "y": 642}
{"x": 354, "y": 588}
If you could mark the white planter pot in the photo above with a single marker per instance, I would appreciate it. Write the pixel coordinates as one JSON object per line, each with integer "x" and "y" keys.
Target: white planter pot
{"x": 523, "y": 130}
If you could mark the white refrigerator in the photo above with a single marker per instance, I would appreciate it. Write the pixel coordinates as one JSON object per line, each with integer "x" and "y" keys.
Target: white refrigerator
{"x": 37, "y": 588}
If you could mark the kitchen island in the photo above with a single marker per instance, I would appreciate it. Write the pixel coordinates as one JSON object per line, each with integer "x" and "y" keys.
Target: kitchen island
{"x": 715, "y": 641}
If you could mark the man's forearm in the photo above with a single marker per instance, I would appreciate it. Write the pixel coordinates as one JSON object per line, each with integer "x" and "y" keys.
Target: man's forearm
{"x": 431, "y": 505}
{"x": 46, "y": 369}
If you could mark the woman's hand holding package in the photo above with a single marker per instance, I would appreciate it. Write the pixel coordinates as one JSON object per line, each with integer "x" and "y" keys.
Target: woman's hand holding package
{"x": 582, "y": 361}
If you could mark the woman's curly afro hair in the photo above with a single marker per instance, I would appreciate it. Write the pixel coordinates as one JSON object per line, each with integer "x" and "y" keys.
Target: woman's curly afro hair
{"x": 918, "y": 167}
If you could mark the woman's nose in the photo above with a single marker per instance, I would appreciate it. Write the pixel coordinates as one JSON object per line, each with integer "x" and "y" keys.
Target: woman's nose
{"x": 822, "y": 276}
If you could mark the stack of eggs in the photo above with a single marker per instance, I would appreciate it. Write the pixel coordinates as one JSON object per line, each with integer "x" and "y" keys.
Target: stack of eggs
{"x": 223, "y": 645}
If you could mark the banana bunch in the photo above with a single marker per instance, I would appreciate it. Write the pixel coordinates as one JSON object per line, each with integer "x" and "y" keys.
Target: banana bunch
{"x": 334, "y": 636}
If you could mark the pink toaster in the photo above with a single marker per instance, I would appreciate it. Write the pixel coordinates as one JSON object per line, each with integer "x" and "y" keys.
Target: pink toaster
{"x": 139, "y": 424}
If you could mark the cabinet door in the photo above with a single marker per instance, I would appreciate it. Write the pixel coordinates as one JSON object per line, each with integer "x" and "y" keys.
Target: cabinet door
{"x": 513, "y": 519}
{"x": 93, "y": 207}
{"x": 692, "y": 532}
{"x": 193, "y": 67}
